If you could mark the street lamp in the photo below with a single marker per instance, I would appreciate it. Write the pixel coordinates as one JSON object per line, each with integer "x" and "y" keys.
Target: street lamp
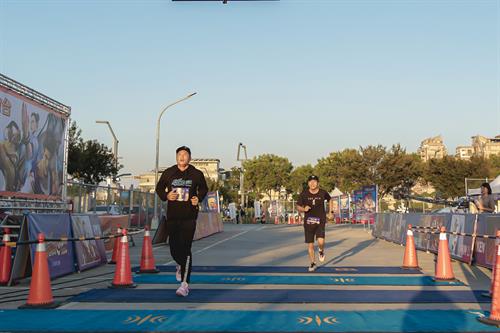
{"x": 154, "y": 223}
{"x": 115, "y": 140}
{"x": 240, "y": 146}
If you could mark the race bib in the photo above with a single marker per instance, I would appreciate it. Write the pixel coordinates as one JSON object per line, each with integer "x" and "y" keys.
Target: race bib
{"x": 313, "y": 220}
{"x": 183, "y": 193}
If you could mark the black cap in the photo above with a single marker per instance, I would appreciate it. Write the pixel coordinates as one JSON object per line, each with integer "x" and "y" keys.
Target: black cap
{"x": 183, "y": 148}
{"x": 313, "y": 177}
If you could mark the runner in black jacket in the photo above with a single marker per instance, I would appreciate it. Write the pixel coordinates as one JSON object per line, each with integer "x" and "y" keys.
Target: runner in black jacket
{"x": 184, "y": 187}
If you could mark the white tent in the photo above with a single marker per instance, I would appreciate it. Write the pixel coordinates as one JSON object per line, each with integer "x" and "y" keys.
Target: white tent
{"x": 336, "y": 192}
{"x": 495, "y": 187}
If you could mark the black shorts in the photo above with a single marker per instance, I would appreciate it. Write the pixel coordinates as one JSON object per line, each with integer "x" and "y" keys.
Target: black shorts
{"x": 312, "y": 230}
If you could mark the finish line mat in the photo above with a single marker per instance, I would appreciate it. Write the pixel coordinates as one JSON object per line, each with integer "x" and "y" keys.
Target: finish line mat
{"x": 280, "y": 296}
{"x": 299, "y": 280}
{"x": 242, "y": 321}
{"x": 294, "y": 269}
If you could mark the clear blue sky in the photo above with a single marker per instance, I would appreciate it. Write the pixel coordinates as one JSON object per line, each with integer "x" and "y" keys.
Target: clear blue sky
{"x": 294, "y": 78}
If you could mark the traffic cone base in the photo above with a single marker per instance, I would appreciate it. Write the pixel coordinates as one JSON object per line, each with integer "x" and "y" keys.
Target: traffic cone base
{"x": 47, "y": 306}
{"x": 122, "y": 286}
{"x": 488, "y": 321}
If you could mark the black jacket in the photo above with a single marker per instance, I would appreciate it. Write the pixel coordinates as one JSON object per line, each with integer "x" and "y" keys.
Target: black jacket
{"x": 189, "y": 183}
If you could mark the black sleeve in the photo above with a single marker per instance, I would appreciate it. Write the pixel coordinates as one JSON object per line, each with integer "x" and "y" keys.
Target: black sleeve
{"x": 162, "y": 186}
{"x": 202, "y": 187}
{"x": 327, "y": 196}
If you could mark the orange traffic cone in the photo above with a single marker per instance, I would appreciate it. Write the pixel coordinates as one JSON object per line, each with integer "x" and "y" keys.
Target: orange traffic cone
{"x": 444, "y": 271}
{"x": 123, "y": 273}
{"x": 5, "y": 259}
{"x": 40, "y": 295}
{"x": 410, "y": 260}
{"x": 147, "y": 258}
{"x": 494, "y": 318}
{"x": 494, "y": 272}
{"x": 116, "y": 246}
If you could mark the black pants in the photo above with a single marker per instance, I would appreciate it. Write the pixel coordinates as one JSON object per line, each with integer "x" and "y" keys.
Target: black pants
{"x": 180, "y": 238}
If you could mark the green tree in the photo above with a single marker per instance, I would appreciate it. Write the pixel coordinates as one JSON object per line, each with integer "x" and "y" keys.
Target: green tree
{"x": 447, "y": 176}
{"x": 298, "y": 178}
{"x": 399, "y": 169}
{"x": 340, "y": 169}
{"x": 267, "y": 173}
{"x": 230, "y": 186}
{"x": 89, "y": 161}
{"x": 370, "y": 170}
{"x": 495, "y": 166}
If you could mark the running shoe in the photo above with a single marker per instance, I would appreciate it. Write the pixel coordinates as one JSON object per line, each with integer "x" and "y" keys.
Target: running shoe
{"x": 183, "y": 290}
{"x": 321, "y": 256}
{"x": 312, "y": 267}
{"x": 178, "y": 275}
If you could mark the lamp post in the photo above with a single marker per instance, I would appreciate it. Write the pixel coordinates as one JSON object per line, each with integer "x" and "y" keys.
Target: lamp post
{"x": 154, "y": 222}
{"x": 115, "y": 140}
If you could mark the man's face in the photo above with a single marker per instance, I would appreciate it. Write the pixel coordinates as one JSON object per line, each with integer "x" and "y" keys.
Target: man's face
{"x": 183, "y": 158}
{"x": 313, "y": 184}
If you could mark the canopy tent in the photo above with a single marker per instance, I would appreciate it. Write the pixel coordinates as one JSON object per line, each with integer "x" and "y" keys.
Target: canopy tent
{"x": 495, "y": 187}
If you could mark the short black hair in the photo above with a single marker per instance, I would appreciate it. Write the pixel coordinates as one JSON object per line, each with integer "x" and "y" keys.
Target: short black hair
{"x": 487, "y": 186}
{"x": 183, "y": 148}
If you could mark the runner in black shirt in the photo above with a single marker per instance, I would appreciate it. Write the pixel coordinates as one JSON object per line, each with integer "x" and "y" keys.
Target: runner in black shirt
{"x": 184, "y": 187}
{"x": 312, "y": 203}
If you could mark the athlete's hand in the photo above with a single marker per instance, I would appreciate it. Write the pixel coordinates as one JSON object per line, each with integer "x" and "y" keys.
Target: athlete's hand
{"x": 307, "y": 208}
{"x": 172, "y": 196}
{"x": 195, "y": 201}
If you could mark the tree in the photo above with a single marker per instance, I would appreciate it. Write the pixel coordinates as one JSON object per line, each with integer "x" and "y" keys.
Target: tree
{"x": 447, "y": 176}
{"x": 230, "y": 186}
{"x": 267, "y": 173}
{"x": 399, "y": 169}
{"x": 370, "y": 171}
{"x": 340, "y": 169}
{"x": 495, "y": 166}
{"x": 298, "y": 178}
{"x": 89, "y": 161}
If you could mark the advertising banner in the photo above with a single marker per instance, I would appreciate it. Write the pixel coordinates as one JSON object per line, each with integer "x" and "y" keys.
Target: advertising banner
{"x": 335, "y": 202}
{"x": 210, "y": 203}
{"x": 357, "y": 199}
{"x": 484, "y": 251}
{"x": 96, "y": 228}
{"x": 87, "y": 251}
{"x": 109, "y": 225}
{"x": 345, "y": 207}
{"x": 461, "y": 246}
{"x": 369, "y": 201}
{"x": 32, "y": 150}
{"x": 60, "y": 254}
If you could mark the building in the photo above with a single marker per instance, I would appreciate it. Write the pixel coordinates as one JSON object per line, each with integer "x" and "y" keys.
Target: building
{"x": 209, "y": 167}
{"x": 464, "y": 152}
{"x": 486, "y": 147}
{"x": 432, "y": 148}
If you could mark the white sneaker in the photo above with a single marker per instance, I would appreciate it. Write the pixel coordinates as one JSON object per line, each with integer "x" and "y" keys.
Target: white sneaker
{"x": 178, "y": 275}
{"x": 322, "y": 256}
{"x": 312, "y": 267}
{"x": 183, "y": 290}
